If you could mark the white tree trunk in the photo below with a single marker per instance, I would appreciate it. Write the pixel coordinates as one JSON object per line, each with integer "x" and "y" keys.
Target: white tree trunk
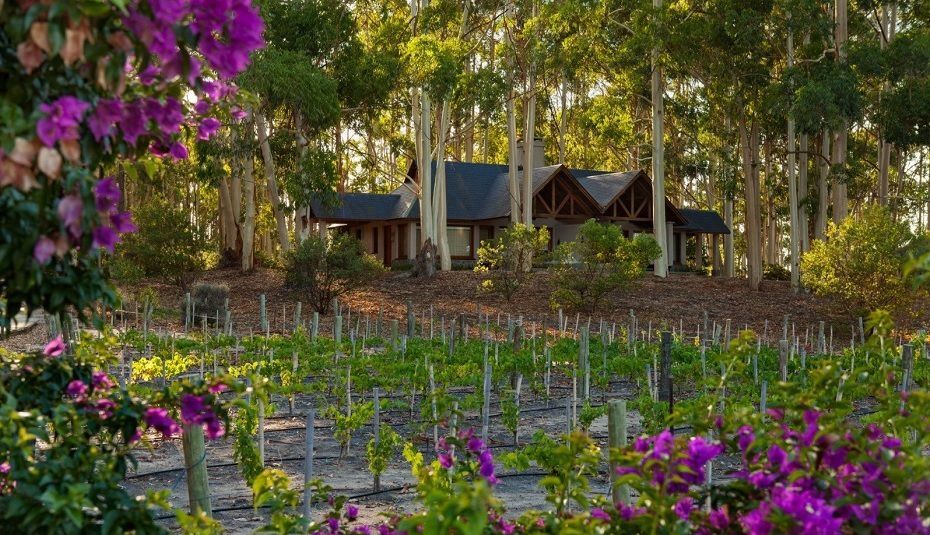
{"x": 658, "y": 161}
{"x": 840, "y": 208}
{"x": 888, "y": 23}
{"x": 439, "y": 192}
{"x": 248, "y": 197}
{"x": 823, "y": 197}
{"x": 795, "y": 224}
{"x": 273, "y": 196}
{"x": 529, "y": 144}
{"x": 750, "y": 144}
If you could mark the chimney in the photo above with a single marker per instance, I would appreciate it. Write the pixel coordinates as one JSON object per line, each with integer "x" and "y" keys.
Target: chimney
{"x": 539, "y": 153}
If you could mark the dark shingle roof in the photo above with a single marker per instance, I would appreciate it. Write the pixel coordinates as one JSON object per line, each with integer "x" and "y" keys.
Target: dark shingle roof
{"x": 479, "y": 191}
{"x": 604, "y": 187}
{"x": 358, "y": 206}
{"x": 705, "y": 221}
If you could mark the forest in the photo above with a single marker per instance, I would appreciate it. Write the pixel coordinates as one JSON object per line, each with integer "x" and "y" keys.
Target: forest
{"x": 706, "y": 314}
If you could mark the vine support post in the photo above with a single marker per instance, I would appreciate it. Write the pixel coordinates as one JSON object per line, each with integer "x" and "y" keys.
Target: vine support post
{"x": 195, "y": 465}
{"x": 486, "y": 395}
{"x": 616, "y": 435}
{"x": 263, "y": 314}
{"x": 665, "y": 370}
{"x": 411, "y": 320}
{"x": 297, "y": 312}
{"x": 315, "y": 326}
{"x": 308, "y": 464}
{"x": 783, "y": 359}
{"x": 376, "y": 429}
{"x": 261, "y": 432}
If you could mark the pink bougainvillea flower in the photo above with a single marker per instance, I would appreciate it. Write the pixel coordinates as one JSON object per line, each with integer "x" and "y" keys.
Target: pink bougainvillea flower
{"x": 218, "y": 388}
{"x": 122, "y": 222}
{"x": 134, "y": 122}
{"x": 101, "y": 381}
{"x": 600, "y": 514}
{"x": 157, "y": 418}
{"x": 43, "y": 250}
{"x": 178, "y": 151}
{"x": 102, "y": 122}
{"x": 61, "y": 119}
{"x": 70, "y": 211}
{"x": 106, "y": 194}
{"x": 208, "y": 127}
{"x": 105, "y": 238}
{"x": 104, "y": 408}
{"x": 55, "y": 347}
{"x": 169, "y": 11}
{"x": 76, "y": 389}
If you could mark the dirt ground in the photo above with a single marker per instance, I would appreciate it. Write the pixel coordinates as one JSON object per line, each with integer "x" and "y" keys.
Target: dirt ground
{"x": 679, "y": 300}
{"x": 680, "y": 297}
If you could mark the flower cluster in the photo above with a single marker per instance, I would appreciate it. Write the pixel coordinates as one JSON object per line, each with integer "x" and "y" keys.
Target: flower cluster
{"x": 476, "y": 448}
{"x": 669, "y": 465}
{"x": 824, "y": 483}
{"x": 93, "y": 398}
{"x": 194, "y": 410}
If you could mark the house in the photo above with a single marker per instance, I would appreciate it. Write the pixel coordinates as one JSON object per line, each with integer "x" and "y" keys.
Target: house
{"x": 478, "y": 208}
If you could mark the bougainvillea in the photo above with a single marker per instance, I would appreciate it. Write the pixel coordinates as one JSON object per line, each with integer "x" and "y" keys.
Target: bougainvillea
{"x": 90, "y": 84}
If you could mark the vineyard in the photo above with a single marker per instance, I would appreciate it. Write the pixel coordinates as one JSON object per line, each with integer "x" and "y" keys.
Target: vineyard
{"x": 348, "y": 409}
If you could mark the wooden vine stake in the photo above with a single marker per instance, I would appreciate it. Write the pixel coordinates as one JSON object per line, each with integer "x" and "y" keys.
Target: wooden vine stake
{"x": 486, "y": 395}
{"x": 195, "y": 465}
{"x": 616, "y": 436}
{"x": 665, "y": 370}
{"x": 261, "y": 432}
{"x": 308, "y": 464}
{"x": 376, "y": 429}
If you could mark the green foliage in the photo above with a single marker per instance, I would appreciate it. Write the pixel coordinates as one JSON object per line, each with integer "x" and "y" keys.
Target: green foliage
{"x": 775, "y": 272}
{"x": 505, "y": 262}
{"x": 346, "y": 423}
{"x": 862, "y": 261}
{"x": 167, "y": 245}
{"x": 325, "y": 268}
{"x": 600, "y": 260}
{"x": 380, "y": 454}
{"x": 272, "y": 489}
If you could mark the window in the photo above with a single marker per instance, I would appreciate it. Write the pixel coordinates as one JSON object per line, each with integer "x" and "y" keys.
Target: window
{"x": 358, "y": 234}
{"x": 374, "y": 240}
{"x": 460, "y": 241}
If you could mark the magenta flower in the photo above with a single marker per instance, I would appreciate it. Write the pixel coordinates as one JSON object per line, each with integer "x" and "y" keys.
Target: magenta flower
{"x": 105, "y": 408}
{"x": 61, "y": 120}
{"x": 683, "y": 507}
{"x": 122, "y": 222}
{"x": 755, "y": 522}
{"x": 218, "y": 388}
{"x": 105, "y": 238}
{"x": 475, "y": 445}
{"x": 169, "y": 11}
{"x": 149, "y": 75}
{"x": 213, "y": 427}
{"x": 134, "y": 122}
{"x": 70, "y": 211}
{"x": 229, "y": 32}
{"x": 43, "y": 250}
{"x": 76, "y": 389}
{"x": 445, "y": 460}
{"x": 208, "y": 127}
{"x": 193, "y": 409}
{"x": 103, "y": 121}
{"x": 178, "y": 151}
{"x": 351, "y": 512}
{"x": 158, "y": 419}
{"x": 101, "y": 381}
{"x": 106, "y": 194}
{"x": 600, "y": 514}
{"x": 55, "y": 347}
{"x": 719, "y": 519}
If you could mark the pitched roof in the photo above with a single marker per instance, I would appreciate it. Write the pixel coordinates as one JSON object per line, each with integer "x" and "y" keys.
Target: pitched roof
{"x": 358, "y": 206}
{"x": 479, "y": 191}
{"x": 705, "y": 221}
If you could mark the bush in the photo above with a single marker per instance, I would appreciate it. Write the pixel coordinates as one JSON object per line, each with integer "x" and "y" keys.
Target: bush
{"x": 599, "y": 261}
{"x": 505, "y": 261}
{"x": 325, "y": 268}
{"x": 208, "y": 300}
{"x": 166, "y": 245}
{"x": 775, "y": 272}
{"x": 862, "y": 261}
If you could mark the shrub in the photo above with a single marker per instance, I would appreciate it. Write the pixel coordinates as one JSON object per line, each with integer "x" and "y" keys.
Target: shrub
{"x": 505, "y": 261}
{"x": 166, "y": 245}
{"x": 325, "y": 268}
{"x": 208, "y": 300}
{"x": 775, "y": 272}
{"x": 599, "y": 261}
{"x": 862, "y": 261}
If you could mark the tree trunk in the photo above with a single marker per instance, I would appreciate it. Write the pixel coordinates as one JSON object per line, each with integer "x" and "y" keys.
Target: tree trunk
{"x": 280, "y": 221}
{"x": 840, "y": 208}
{"x": 439, "y": 192}
{"x": 823, "y": 198}
{"x": 513, "y": 178}
{"x": 529, "y": 146}
{"x": 795, "y": 223}
{"x": 886, "y": 34}
{"x": 749, "y": 139}
{"x": 658, "y": 161}
{"x": 563, "y": 118}
{"x": 729, "y": 260}
{"x": 248, "y": 194}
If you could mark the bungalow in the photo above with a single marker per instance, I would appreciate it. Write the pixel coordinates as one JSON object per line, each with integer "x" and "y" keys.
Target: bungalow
{"x": 478, "y": 208}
